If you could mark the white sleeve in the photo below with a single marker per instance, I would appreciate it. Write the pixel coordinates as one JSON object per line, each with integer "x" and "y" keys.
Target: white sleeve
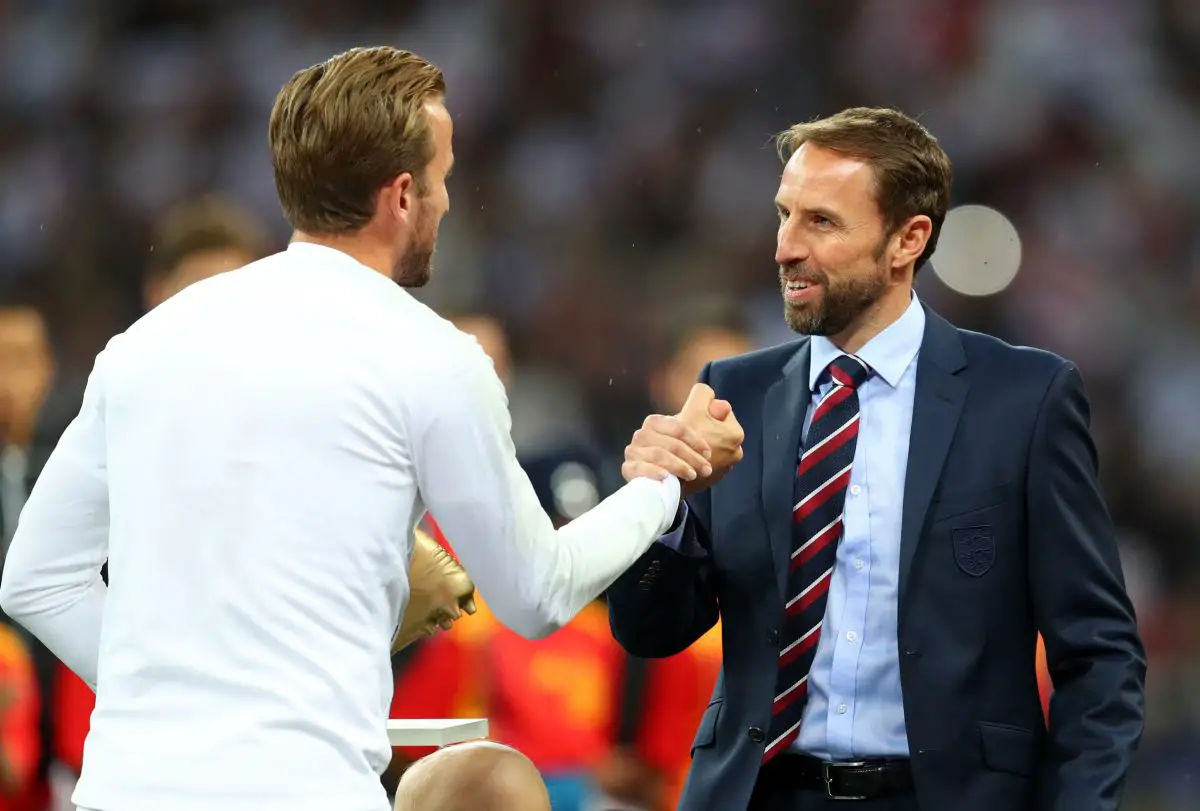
{"x": 51, "y": 582}
{"x": 534, "y": 578}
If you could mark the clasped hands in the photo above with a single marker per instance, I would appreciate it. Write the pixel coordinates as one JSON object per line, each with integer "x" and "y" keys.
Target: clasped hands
{"x": 699, "y": 445}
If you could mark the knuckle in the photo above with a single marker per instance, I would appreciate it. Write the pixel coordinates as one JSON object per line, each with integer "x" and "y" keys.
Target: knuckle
{"x": 650, "y": 454}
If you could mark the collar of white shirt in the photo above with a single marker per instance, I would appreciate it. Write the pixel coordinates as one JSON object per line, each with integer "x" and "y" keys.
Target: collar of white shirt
{"x": 888, "y": 354}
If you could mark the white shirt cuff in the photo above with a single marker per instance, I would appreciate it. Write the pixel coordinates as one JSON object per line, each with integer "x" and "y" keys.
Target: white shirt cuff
{"x": 669, "y": 492}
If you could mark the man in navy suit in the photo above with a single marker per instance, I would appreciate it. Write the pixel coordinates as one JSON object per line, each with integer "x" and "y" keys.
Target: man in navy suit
{"x": 915, "y": 504}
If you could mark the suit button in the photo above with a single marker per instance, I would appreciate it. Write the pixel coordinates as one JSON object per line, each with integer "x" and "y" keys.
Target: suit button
{"x": 756, "y": 734}
{"x": 773, "y": 636}
{"x": 911, "y": 652}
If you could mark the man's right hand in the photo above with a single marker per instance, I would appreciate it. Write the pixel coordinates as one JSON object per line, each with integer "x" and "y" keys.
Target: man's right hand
{"x": 699, "y": 445}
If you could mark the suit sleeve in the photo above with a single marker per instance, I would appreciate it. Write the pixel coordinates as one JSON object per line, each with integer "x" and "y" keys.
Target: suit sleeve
{"x": 667, "y": 599}
{"x": 1094, "y": 655}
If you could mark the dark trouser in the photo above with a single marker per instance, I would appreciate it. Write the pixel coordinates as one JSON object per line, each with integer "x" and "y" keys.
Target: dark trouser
{"x": 794, "y": 783}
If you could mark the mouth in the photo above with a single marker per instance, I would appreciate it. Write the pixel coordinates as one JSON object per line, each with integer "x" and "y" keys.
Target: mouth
{"x": 799, "y": 290}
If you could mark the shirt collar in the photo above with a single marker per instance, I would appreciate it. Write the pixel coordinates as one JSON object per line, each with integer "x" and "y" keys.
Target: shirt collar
{"x": 888, "y": 354}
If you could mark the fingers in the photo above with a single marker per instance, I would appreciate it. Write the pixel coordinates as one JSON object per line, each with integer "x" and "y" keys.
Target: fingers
{"x": 671, "y": 455}
{"x": 720, "y": 409}
{"x": 668, "y": 443}
{"x": 642, "y": 470}
{"x": 737, "y": 433}
{"x": 658, "y": 425}
{"x": 698, "y": 399}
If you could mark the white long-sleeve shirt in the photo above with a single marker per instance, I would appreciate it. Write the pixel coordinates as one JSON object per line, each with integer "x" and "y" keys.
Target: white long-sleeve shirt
{"x": 251, "y": 458}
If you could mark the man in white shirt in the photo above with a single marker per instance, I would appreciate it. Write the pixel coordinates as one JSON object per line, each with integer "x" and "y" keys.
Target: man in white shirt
{"x": 252, "y": 456}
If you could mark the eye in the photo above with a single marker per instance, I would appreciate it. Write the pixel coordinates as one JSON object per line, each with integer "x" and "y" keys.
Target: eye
{"x": 821, "y": 220}
{"x": 783, "y": 215}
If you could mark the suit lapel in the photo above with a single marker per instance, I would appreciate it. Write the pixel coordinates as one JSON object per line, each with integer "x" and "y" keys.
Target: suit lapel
{"x": 937, "y": 405}
{"x": 784, "y": 409}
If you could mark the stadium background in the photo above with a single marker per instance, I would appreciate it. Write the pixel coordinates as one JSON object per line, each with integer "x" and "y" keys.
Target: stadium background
{"x": 612, "y": 202}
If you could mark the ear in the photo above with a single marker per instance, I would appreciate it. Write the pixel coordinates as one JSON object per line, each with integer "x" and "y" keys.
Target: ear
{"x": 910, "y": 240}
{"x": 398, "y": 198}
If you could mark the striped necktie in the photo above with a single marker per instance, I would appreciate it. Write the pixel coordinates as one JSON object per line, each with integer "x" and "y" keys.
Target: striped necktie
{"x": 820, "y": 497}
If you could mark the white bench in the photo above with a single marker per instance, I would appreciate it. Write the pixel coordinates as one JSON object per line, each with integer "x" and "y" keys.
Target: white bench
{"x": 435, "y": 731}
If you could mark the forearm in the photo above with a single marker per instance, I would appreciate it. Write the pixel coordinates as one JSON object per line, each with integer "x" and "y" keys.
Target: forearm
{"x": 535, "y": 578}
{"x": 55, "y": 598}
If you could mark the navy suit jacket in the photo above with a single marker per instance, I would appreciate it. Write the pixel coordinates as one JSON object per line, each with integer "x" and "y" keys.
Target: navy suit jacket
{"x": 1004, "y": 535}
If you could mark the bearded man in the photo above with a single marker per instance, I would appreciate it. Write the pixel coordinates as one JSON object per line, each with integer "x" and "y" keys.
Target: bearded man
{"x": 915, "y": 504}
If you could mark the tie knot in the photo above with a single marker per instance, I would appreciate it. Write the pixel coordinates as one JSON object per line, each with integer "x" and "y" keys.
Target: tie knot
{"x": 849, "y": 371}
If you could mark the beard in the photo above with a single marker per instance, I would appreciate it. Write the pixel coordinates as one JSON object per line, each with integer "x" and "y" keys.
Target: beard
{"x": 415, "y": 266}
{"x": 840, "y": 304}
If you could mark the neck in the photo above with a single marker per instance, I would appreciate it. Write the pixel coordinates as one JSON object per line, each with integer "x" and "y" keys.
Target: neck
{"x": 875, "y": 319}
{"x": 365, "y": 251}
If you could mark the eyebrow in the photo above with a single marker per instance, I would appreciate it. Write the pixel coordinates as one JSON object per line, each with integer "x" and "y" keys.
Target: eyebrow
{"x": 828, "y": 214}
{"x": 818, "y": 210}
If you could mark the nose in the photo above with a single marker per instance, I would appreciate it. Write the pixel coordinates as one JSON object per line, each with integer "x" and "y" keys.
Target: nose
{"x": 790, "y": 245}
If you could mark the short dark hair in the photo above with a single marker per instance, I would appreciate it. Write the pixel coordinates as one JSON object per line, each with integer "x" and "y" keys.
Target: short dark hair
{"x": 207, "y": 224}
{"x": 912, "y": 172}
{"x": 340, "y": 130}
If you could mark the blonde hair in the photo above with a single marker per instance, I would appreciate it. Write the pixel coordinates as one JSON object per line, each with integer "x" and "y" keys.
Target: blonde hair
{"x": 342, "y": 129}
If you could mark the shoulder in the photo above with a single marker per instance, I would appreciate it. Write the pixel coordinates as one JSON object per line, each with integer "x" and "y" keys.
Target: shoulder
{"x": 444, "y": 346}
{"x": 1008, "y": 364}
{"x": 454, "y": 375}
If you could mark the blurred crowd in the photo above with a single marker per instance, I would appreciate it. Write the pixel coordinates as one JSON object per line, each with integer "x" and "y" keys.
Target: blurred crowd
{"x": 612, "y": 229}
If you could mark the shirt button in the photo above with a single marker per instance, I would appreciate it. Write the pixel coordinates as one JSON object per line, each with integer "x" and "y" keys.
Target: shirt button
{"x": 756, "y": 734}
{"x": 858, "y": 564}
{"x": 851, "y": 635}
{"x": 773, "y": 636}
{"x": 855, "y": 489}
{"x": 841, "y": 709}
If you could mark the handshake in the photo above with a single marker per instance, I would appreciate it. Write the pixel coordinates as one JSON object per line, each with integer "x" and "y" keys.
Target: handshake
{"x": 699, "y": 445}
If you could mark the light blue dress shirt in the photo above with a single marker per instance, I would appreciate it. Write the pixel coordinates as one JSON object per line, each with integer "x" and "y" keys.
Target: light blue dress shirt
{"x": 854, "y": 707}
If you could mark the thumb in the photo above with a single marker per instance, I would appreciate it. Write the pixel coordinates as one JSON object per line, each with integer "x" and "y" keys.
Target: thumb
{"x": 719, "y": 409}
{"x": 698, "y": 400}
